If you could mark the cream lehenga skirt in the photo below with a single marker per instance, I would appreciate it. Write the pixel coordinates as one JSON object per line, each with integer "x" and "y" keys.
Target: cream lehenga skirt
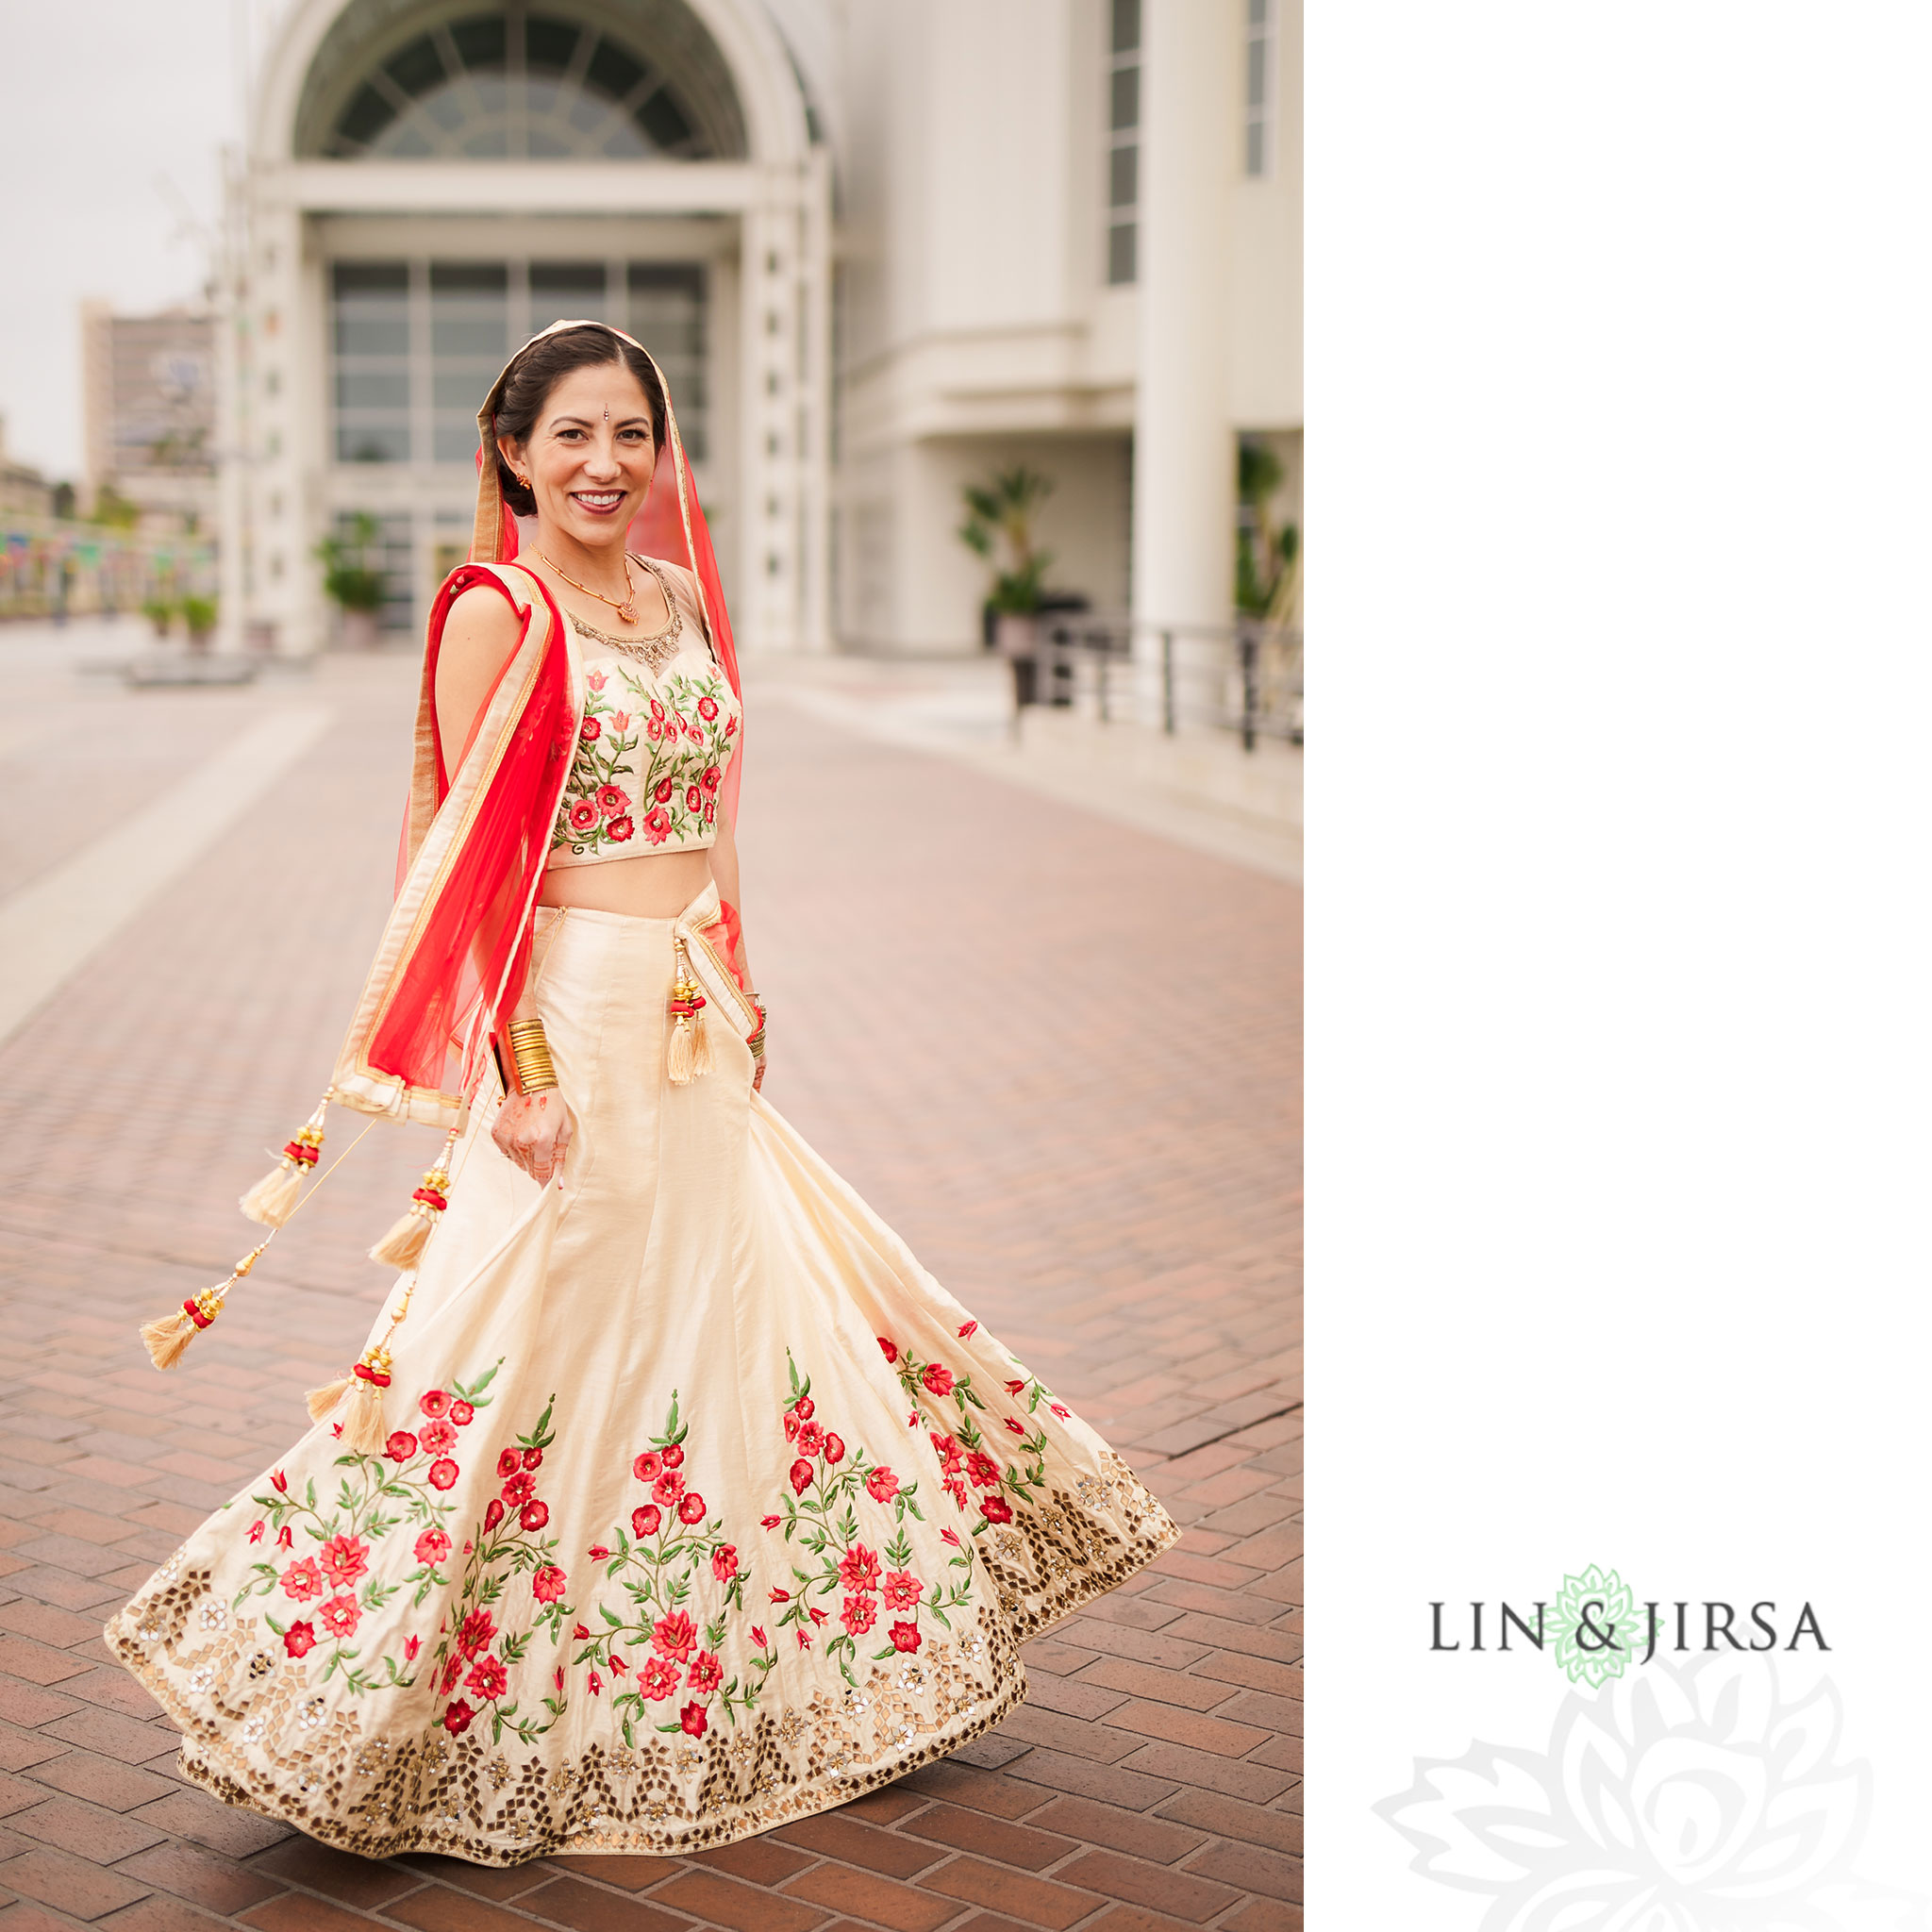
{"x": 704, "y": 1508}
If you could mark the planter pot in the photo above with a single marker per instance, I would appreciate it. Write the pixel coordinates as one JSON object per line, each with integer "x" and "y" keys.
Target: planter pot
{"x": 358, "y": 630}
{"x": 1015, "y": 634}
{"x": 199, "y": 640}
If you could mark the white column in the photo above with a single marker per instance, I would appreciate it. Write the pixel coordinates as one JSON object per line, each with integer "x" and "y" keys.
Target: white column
{"x": 815, "y": 407}
{"x": 231, "y": 411}
{"x": 769, "y": 529}
{"x": 1184, "y": 450}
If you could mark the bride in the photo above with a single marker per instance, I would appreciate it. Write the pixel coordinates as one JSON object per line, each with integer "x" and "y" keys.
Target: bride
{"x": 671, "y": 1498}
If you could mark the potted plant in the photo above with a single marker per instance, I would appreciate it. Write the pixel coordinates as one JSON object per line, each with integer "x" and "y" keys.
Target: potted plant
{"x": 160, "y": 611}
{"x": 198, "y": 614}
{"x": 999, "y": 527}
{"x": 351, "y": 582}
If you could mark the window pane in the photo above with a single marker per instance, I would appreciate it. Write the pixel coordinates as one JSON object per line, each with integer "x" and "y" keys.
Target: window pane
{"x": 613, "y": 71}
{"x": 1126, "y": 26}
{"x": 662, "y": 120}
{"x": 571, "y": 290}
{"x": 372, "y": 389}
{"x": 1126, "y": 105}
{"x": 551, "y": 44}
{"x": 667, "y": 315}
{"x": 418, "y": 69}
{"x": 1257, "y": 14}
{"x": 468, "y": 312}
{"x": 372, "y": 443}
{"x": 1120, "y": 253}
{"x": 371, "y": 308}
{"x": 1257, "y": 73}
{"x": 1257, "y": 158}
{"x": 480, "y": 41}
{"x": 456, "y": 435}
{"x": 368, "y": 114}
{"x": 1123, "y": 173}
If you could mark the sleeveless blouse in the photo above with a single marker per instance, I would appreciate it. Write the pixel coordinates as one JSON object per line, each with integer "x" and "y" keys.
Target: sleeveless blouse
{"x": 654, "y": 746}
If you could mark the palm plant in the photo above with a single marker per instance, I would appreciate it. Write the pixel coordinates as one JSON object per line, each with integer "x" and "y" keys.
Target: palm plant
{"x": 1000, "y": 514}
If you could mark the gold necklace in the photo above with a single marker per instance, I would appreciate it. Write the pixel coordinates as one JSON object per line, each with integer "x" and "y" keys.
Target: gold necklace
{"x": 626, "y": 612}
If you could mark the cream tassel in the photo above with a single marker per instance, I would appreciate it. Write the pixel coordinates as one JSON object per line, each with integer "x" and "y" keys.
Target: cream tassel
{"x": 321, "y": 1402}
{"x": 363, "y": 1433}
{"x": 272, "y": 1199}
{"x": 689, "y": 1055}
{"x": 401, "y": 1246}
{"x": 167, "y": 1337}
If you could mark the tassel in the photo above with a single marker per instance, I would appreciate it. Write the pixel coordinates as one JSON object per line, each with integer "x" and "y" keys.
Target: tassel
{"x": 363, "y": 1433}
{"x": 166, "y": 1337}
{"x": 690, "y": 1053}
{"x": 401, "y": 1246}
{"x": 321, "y": 1402}
{"x": 272, "y": 1199}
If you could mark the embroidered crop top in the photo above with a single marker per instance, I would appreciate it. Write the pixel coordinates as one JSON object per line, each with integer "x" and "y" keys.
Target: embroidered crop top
{"x": 661, "y": 724}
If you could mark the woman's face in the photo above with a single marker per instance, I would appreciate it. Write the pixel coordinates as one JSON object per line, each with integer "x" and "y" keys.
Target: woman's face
{"x": 590, "y": 455}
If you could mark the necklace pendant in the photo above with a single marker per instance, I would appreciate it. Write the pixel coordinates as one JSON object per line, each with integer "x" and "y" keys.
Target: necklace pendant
{"x": 628, "y": 612}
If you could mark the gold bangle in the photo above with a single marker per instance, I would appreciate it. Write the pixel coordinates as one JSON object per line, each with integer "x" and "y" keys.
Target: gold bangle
{"x": 536, "y": 1073}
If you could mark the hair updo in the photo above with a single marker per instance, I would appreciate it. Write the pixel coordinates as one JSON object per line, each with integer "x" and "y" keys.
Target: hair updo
{"x": 538, "y": 371}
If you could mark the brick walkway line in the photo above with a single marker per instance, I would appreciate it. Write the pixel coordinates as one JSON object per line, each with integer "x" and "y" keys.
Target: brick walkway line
{"x": 1061, "y": 1057}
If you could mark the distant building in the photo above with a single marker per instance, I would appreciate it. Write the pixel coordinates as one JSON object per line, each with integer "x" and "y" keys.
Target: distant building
{"x": 23, "y": 491}
{"x": 150, "y": 389}
{"x": 883, "y": 247}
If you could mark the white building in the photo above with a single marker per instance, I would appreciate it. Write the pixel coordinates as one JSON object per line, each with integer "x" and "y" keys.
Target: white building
{"x": 880, "y": 245}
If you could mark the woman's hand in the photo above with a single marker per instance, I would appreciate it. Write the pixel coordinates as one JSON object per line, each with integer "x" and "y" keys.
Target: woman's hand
{"x": 533, "y": 1129}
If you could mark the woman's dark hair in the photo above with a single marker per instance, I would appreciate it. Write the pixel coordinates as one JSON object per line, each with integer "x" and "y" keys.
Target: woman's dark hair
{"x": 539, "y": 370}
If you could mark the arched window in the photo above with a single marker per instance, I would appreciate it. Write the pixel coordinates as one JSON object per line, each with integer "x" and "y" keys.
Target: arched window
{"x": 518, "y": 84}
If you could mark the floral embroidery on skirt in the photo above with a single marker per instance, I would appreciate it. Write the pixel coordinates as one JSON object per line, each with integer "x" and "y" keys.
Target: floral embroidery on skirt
{"x": 702, "y": 1507}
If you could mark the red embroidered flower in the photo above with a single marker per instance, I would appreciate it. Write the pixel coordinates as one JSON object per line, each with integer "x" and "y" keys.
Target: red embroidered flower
{"x": 488, "y": 1678}
{"x": 298, "y": 1640}
{"x": 859, "y": 1614}
{"x": 904, "y": 1636}
{"x": 801, "y": 1476}
{"x": 494, "y": 1515}
{"x": 780, "y": 1597}
{"x": 804, "y": 1408}
{"x": 730, "y": 728}
{"x": 446, "y": 1679}
{"x": 811, "y": 1439}
{"x": 411, "y": 1648}
{"x": 302, "y": 1579}
{"x": 400, "y": 1446}
{"x": 692, "y": 798}
{"x": 711, "y": 777}
{"x": 938, "y": 1379}
{"x": 724, "y": 1562}
{"x": 707, "y": 1672}
{"x": 644, "y": 1522}
{"x": 583, "y": 815}
{"x": 1059, "y": 1410}
{"x": 663, "y": 793}
{"x": 667, "y": 1488}
{"x": 693, "y": 1508}
{"x": 675, "y": 1636}
{"x": 479, "y": 1627}
{"x": 1015, "y": 1388}
{"x": 439, "y": 1438}
{"x": 967, "y": 1329}
{"x": 1014, "y": 1427}
{"x": 983, "y": 1471}
{"x": 533, "y": 1458}
{"x": 768, "y": 1523}
{"x": 758, "y": 1637}
{"x": 534, "y": 1514}
{"x": 598, "y": 1552}
{"x": 673, "y": 1456}
{"x": 619, "y": 720}
{"x": 835, "y": 1448}
{"x": 546, "y": 1586}
{"x": 612, "y": 798}
{"x": 455, "y": 1720}
{"x": 707, "y": 708}
{"x": 591, "y": 731}
{"x": 805, "y": 1639}
{"x": 995, "y": 1509}
{"x": 956, "y": 1488}
{"x": 947, "y": 1536}
{"x": 902, "y": 1590}
{"x": 648, "y": 1467}
{"x": 443, "y": 1473}
{"x": 858, "y": 1568}
{"x": 341, "y": 1614}
{"x": 581, "y": 1632}
{"x": 657, "y": 710}
{"x": 660, "y": 1677}
{"x": 596, "y": 1685}
{"x": 619, "y": 830}
{"x": 461, "y": 1413}
{"x": 654, "y": 730}
{"x": 882, "y": 1485}
{"x": 693, "y": 1720}
{"x": 791, "y": 1426}
{"x": 618, "y": 1666}
{"x": 434, "y": 1403}
{"x": 595, "y": 681}
{"x": 952, "y": 1457}
{"x": 710, "y": 814}
{"x": 343, "y": 1559}
{"x": 657, "y": 827}
{"x": 508, "y": 1462}
{"x": 280, "y": 1480}
{"x": 519, "y": 1489}
{"x": 285, "y": 1537}
{"x": 892, "y": 1349}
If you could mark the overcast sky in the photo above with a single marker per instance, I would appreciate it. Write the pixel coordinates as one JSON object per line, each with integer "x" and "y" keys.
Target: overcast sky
{"x": 98, "y": 103}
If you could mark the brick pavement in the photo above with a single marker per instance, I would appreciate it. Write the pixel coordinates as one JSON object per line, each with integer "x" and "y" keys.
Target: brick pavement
{"x": 1061, "y": 1057}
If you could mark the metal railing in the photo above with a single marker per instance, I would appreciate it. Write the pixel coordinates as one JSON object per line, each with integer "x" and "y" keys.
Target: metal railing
{"x": 1244, "y": 677}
